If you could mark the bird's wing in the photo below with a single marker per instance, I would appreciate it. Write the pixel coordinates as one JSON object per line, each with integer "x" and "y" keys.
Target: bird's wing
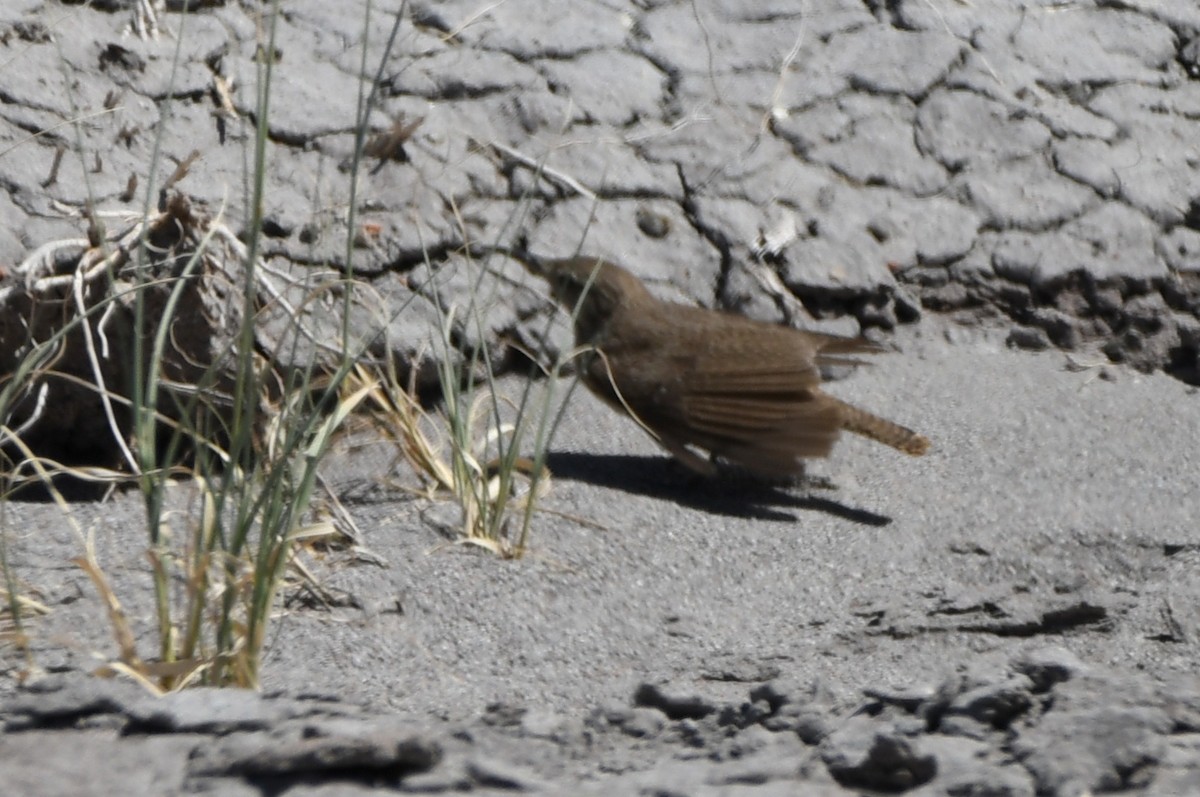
{"x": 751, "y": 396}
{"x": 763, "y": 378}
{"x": 748, "y": 412}
{"x": 764, "y": 417}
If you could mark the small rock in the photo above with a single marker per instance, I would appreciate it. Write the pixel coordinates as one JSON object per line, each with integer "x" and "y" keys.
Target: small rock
{"x": 503, "y": 715}
{"x": 675, "y": 704}
{"x": 1048, "y": 666}
{"x": 779, "y": 691}
{"x": 207, "y": 710}
{"x": 1028, "y": 338}
{"x": 865, "y": 753}
{"x": 908, "y": 698}
{"x": 745, "y": 714}
{"x": 495, "y": 774}
{"x": 64, "y": 701}
{"x": 643, "y": 723}
{"x": 995, "y": 705}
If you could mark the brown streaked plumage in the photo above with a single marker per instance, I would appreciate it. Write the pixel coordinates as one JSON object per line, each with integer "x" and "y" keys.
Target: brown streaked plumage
{"x": 743, "y": 390}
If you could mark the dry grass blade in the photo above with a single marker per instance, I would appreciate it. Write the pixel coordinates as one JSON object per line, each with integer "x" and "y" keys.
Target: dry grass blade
{"x": 151, "y": 675}
{"x": 159, "y": 338}
{"x": 116, "y": 614}
{"x": 487, "y": 489}
{"x": 400, "y": 416}
{"x": 14, "y": 607}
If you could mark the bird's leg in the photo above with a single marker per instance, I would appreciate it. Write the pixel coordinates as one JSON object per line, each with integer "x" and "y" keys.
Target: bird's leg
{"x": 688, "y": 458}
{"x": 818, "y": 482}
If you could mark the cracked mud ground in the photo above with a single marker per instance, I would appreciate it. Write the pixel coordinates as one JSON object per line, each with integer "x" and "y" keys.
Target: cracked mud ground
{"x": 1008, "y": 195}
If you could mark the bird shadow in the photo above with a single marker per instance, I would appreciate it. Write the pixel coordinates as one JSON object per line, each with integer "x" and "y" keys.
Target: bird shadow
{"x": 731, "y": 495}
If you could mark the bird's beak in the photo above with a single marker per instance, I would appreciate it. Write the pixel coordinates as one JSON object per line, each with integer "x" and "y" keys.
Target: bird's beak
{"x": 536, "y": 266}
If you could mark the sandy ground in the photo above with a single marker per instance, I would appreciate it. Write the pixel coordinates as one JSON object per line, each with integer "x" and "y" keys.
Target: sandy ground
{"x": 982, "y": 187}
{"x": 1053, "y": 513}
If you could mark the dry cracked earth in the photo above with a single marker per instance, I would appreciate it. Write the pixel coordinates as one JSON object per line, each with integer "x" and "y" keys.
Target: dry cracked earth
{"x": 1007, "y": 195}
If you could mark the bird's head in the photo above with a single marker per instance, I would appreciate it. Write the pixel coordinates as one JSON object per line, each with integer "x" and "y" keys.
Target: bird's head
{"x": 590, "y": 288}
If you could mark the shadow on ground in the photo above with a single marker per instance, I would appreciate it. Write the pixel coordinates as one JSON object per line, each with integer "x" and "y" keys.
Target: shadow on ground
{"x": 732, "y": 495}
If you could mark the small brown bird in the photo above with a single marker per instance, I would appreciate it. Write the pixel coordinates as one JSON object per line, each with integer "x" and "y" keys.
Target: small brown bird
{"x": 745, "y": 391}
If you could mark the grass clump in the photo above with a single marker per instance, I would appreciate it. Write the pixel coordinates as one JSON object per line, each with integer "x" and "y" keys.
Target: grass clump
{"x": 223, "y": 443}
{"x": 255, "y": 466}
{"x": 158, "y": 329}
{"x": 482, "y": 449}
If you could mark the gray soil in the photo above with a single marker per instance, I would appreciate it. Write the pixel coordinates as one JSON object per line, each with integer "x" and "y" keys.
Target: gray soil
{"x": 1008, "y": 198}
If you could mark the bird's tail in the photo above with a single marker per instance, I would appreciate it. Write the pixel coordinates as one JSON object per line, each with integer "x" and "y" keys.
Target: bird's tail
{"x": 882, "y": 430}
